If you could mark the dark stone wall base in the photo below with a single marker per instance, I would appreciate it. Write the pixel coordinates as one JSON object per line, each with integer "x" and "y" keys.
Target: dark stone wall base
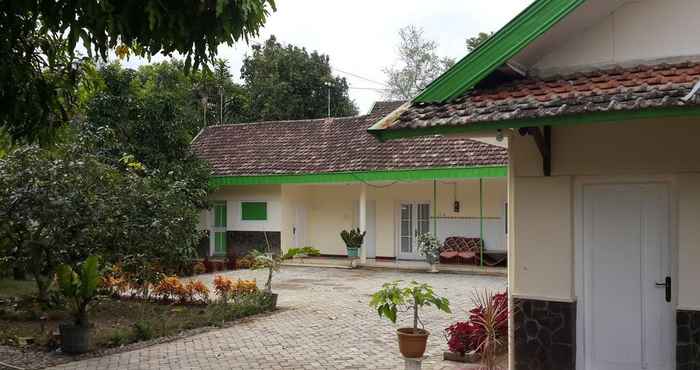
{"x": 242, "y": 242}
{"x": 688, "y": 340}
{"x": 544, "y": 335}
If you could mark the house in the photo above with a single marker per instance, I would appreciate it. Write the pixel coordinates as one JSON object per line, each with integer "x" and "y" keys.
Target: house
{"x": 300, "y": 183}
{"x": 598, "y": 102}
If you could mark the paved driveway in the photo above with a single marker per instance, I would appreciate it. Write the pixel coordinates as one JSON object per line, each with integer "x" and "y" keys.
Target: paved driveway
{"x": 324, "y": 322}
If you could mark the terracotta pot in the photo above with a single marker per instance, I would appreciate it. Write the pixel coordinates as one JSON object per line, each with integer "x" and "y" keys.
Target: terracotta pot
{"x": 412, "y": 342}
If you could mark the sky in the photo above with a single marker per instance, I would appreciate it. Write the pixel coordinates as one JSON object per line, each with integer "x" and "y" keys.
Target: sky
{"x": 360, "y": 36}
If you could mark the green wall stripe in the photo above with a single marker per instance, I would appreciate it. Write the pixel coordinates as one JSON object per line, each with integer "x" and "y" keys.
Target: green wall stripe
{"x": 399, "y": 175}
{"x": 508, "y": 41}
{"x": 585, "y": 118}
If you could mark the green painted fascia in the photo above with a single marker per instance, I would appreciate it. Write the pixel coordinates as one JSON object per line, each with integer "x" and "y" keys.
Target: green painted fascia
{"x": 539, "y": 17}
{"x": 584, "y": 118}
{"x": 363, "y": 176}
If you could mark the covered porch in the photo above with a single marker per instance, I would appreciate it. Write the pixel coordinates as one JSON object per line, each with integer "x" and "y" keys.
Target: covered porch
{"x": 393, "y": 207}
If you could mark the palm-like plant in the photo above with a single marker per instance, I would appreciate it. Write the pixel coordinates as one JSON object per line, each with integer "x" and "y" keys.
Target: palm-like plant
{"x": 492, "y": 320}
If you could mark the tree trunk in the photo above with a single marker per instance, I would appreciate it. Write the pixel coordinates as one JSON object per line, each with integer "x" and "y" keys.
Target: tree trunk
{"x": 268, "y": 285}
{"x": 42, "y": 284}
{"x": 415, "y": 318}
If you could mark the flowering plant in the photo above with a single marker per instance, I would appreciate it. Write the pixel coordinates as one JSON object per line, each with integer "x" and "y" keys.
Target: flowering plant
{"x": 429, "y": 247}
{"x": 486, "y": 331}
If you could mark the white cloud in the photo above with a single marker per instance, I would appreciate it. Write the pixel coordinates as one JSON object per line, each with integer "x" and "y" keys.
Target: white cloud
{"x": 360, "y": 36}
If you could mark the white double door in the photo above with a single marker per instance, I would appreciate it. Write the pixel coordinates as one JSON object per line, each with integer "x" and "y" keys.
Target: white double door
{"x": 414, "y": 219}
{"x": 627, "y": 317}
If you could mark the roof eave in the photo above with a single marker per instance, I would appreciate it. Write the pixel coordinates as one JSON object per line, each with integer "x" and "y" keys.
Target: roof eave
{"x": 526, "y": 27}
{"x": 584, "y": 118}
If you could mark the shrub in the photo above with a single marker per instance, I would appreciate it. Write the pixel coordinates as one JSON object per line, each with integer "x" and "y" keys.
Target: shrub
{"x": 170, "y": 288}
{"x": 308, "y": 251}
{"x": 199, "y": 268}
{"x": 119, "y": 337}
{"x": 143, "y": 330}
{"x": 227, "y": 289}
{"x": 223, "y": 287}
{"x": 245, "y": 262}
{"x": 196, "y": 291}
{"x": 486, "y": 331}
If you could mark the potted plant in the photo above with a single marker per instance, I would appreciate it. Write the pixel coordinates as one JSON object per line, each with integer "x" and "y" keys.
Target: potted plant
{"x": 79, "y": 289}
{"x": 429, "y": 247}
{"x": 270, "y": 262}
{"x": 394, "y": 297}
{"x": 353, "y": 241}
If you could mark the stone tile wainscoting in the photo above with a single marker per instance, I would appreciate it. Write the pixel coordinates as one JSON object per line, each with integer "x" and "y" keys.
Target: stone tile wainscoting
{"x": 688, "y": 340}
{"x": 242, "y": 242}
{"x": 545, "y": 335}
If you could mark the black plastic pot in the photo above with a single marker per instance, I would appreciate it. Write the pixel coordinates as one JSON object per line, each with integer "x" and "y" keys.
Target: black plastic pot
{"x": 273, "y": 301}
{"x": 74, "y": 338}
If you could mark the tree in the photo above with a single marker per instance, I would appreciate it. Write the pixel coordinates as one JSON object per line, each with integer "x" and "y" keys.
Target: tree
{"x": 419, "y": 65}
{"x": 474, "y": 42}
{"x": 288, "y": 82}
{"x": 41, "y": 70}
{"x": 60, "y": 206}
{"x": 215, "y": 86}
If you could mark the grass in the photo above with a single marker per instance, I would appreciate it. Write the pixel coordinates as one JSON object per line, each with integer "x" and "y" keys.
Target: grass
{"x": 17, "y": 288}
{"x": 114, "y": 322}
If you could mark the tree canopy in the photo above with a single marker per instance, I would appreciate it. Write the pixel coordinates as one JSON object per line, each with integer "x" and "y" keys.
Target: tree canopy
{"x": 41, "y": 71}
{"x": 419, "y": 64}
{"x": 475, "y": 41}
{"x": 287, "y": 82}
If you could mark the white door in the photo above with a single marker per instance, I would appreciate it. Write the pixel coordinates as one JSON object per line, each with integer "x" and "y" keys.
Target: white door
{"x": 627, "y": 320}
{"x": 299, "y": 228}
{"x": 414, "y": 219}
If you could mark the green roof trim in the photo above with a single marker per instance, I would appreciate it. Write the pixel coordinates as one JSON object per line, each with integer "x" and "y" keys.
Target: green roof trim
{"x": 535, "y": 20}
{"x": 584, "y": 118}
{"x": 362, "y": 176}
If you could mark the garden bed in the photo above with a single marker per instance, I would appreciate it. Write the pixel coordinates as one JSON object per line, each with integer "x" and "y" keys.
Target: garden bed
{"x": 115, "y": 322}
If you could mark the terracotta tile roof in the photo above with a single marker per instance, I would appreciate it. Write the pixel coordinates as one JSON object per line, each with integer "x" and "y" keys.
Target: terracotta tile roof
{"x": 617, "y": 89}
{"x": 332, "y": 145}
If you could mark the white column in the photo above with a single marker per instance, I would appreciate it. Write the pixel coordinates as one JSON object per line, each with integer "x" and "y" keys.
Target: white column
{"x": 363, "y": 220}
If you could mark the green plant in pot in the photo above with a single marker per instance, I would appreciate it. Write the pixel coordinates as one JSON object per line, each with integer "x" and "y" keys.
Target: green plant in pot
{"x": 270, "y": 262}
{"x": 429, "y": 247}
{"x": 353, "y": 241}
{"x": 79, "y": 289}
{"x": 397, "y": 297}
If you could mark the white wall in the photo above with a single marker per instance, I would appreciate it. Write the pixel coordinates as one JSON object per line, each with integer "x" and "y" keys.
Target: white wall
{"x": 636, "y": 30}
{"x": 234, "y": 195}
{"x": 542, "y": 247}
{"x": 334, "y": 207}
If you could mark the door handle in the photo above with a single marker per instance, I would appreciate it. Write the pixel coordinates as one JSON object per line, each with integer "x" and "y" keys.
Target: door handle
{"x": 667, "y": 285}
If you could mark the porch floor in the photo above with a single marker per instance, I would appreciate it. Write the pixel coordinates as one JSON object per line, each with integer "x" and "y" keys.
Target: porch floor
{"x": 396, "y": 265}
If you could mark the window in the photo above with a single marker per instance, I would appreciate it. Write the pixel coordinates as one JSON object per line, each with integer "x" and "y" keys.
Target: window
{"x": 219, "y": 242}
{"x": 219, "y": 228}
{"x": 253, "y": 211}
{"x": 220, "y": 214}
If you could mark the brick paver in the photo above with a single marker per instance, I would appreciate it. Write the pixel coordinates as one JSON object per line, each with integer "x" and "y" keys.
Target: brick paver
{"x": 324, "y": 322}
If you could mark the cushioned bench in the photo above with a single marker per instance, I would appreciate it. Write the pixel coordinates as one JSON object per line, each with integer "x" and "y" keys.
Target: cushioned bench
{"x": 460, "y": 249}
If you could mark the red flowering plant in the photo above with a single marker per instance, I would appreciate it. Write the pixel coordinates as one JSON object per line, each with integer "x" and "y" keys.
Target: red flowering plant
{"x": 486, "y": 331}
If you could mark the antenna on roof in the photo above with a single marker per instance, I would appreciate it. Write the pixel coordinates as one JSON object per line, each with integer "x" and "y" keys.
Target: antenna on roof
{"x": 328, "y": 84}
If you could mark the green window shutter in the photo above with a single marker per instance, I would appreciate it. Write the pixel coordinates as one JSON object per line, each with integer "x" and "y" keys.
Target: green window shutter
{"x": 220, "y": 242}
{"x": 220, "y": 215}
{"x": 253, "y": 211}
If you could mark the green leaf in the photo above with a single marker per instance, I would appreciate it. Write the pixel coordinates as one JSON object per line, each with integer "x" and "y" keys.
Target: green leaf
{"x": 89, "y": 277}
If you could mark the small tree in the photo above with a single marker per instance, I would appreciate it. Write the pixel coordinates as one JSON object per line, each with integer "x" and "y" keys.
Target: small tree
{"x": 79, "y": 288}
{"x": 265, "y": 261}
{"x": 393, "y": 298}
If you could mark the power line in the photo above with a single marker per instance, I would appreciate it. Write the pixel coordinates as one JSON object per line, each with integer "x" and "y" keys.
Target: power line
{"x": 360, "y": 77}
{"x": 368, "y": 88}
